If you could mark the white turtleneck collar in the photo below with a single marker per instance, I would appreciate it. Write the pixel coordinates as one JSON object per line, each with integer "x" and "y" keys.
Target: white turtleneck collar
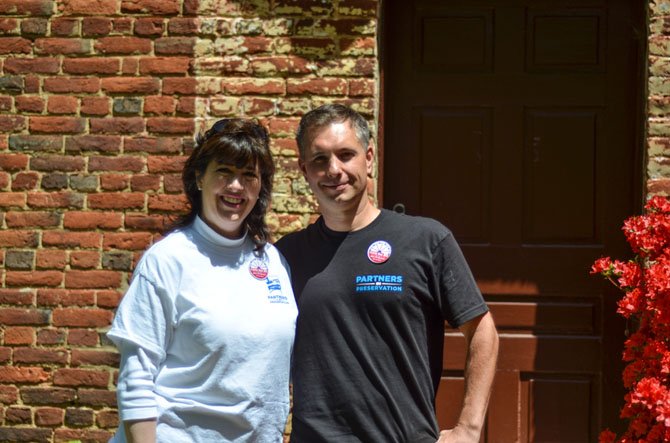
{"x": 211, "y": 235}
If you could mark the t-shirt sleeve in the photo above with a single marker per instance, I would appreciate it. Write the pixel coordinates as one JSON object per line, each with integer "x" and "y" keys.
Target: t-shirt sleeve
{"x": 144, "y": 317}
{"x": 135, "y": 390}
{"x": 458, "y": 296}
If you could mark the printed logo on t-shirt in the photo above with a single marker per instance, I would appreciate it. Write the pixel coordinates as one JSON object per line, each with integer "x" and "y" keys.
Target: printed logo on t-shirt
{"x": 258, "y": 268}
{"x": 379, "y": 283}
{"x": 379, "y": 251}
{"x": 275, "y": 294}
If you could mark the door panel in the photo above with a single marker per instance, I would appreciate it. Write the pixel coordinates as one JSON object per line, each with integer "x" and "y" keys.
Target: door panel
{"x": 516, "y": 124}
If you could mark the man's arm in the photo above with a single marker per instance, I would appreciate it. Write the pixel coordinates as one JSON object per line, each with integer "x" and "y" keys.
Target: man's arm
{"x": 480, "y": 366}
{"x": 140, "y": 431}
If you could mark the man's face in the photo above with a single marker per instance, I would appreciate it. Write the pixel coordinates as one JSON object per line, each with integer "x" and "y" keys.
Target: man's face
{"x": 336, "y": 166}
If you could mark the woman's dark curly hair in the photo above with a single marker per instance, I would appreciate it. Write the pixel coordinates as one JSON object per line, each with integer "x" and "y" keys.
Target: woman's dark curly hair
{"x": 239, "y": 142}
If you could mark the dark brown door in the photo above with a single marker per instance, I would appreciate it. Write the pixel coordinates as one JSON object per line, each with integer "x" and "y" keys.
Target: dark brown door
{"x": 516, "y": 123}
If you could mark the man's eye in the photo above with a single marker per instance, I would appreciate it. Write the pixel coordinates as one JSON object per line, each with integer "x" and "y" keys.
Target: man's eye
{"x": 250, "y": 174}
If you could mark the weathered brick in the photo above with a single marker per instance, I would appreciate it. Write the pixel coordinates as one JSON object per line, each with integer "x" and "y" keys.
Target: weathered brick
{"x": 170, "y": 125}
{"x": 64, "y": 26}
{"x": 123, "y": 163}
{"x": 15, "y": 45}
{"x": 45, "y": 143}
{"x": 84, "y": 435}
{"x": 91, "y": 279}
{"x": 175, "y": 46}
{"x": 159, "y": 104}
{"x": 145, "y": 222}
{"x": 11, "y": 84}
{"x": 12, "y": 123}
{"x": 8, "y": 394}
{"x": 58, "y": 163}
{"x": 47, "y": 396}
{"x": 183, "y": 26}
{"x": 11, "y": 26}
{"x": 153, "y": 145}
{"x": 50, "y": 259}
{"x": 96, "y": 26}
{"x": 107, "y": 419}
{"x": 145, "y": 182}
{"x": 16, "y": 434}
{"x": 127, "y": 106}
{"x": 65, "y": 297}
{"x": 36, "y": 26}
{"x": 163, "y": 202}
{"x": 71, "y": 125}
{"x": 25, "y": 181}
{"x": 19, "y": 259}
{"x": 27, "y": 219}
{"x": 18, "y": 239}
{"x": 58, "y": 104}
{"x": 94, "y": 358}
{"x": 119, "y": 261}
{"x": 111, "y": 299}
{"x": 151, "y": 26}
{"x": 84, "y": 259}
{"x": 158, "y": 7}
{"x": 116, "y": 201}
{"x": 127, "y": 240}
{"x": 81, "y": 377}
{"x": 82, "y": 337}
{"x": 114, "y": 182}
{"x": 12, "y": 199}
{"x": 62, "y": 46}
{"x": 18, "y": 416}
{"x": 243, "y": 86}
{"x": 54, "y": 181}
{"x": 163, "y": 164}
{"x": 130, "y": 85}
{"x": 92, "y": 220}
{"x": 183, "y": 85}
{"x": 50, "y": 336}
{"x": 16, "y": 297}
{"x": 72, "y": 239}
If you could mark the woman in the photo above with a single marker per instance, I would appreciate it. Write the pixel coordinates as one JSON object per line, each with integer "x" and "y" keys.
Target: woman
{"x": 206, "y": 328}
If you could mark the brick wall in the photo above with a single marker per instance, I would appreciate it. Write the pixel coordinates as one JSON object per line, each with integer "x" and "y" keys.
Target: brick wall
{"x": 98, "y": 103}
{"x": 658, "y": 124}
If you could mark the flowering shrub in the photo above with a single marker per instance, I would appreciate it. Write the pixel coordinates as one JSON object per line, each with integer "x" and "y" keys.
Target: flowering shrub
{"x": 645, "y": 282}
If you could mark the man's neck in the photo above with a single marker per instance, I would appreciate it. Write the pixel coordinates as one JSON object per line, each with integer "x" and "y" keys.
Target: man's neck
{"x": 345, "y": 220}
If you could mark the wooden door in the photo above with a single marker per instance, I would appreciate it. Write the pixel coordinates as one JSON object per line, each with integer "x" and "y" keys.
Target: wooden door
{"x": 517, "y": 124}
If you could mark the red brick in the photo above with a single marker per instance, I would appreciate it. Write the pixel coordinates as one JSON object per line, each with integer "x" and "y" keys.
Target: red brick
{"x": 153, "y": 145}
{"x": 13, "y": 162}
{"x": 128, "y": 241}
{"x": 162, "y": 164}
{"x": 123, "y": 163}
{"x": 93, "y": 65}
{"x": 62, "y": 26}
{"x": 159, "y": 104}
{"x": 362, "y": 66}
{"x": 175, "y": 46}
{"x": 31, "y": 84}
{"x": 59, "y": 104}
{"x": 145, "y": 182}
{"x": 84, "y": 259}
{"x": 321, "y": 86}
{"x": 182, "y": 85}
{"x": 107, "y": 419}
{"x": 16, "y": 297}
{"x": 49, "y": 417}
{"x": 117, "y": 125}
{"x": 41, "y": 65}
{"x": 164, "y": 65}
{"x": 6, "y": 104}
{"x": 94, "y": 358}
{"x": 61, "y": 125}
{"x": 95, "y": 26}
{"x": 19, "y": 335}
{"x": 62, "y": 46}
{"x": 88, "y": 7}
{"x": 84, "y": 435}
{"x": 271, "y": 65}
{"x": 54, "y": 162}
{"x": 15, "y": 45}
{"x": 170, "y": 125}
{"x": 130, "y": 66}
{"x": 108, "y": 299}
{"x": 116, "y": 201}
{"x": 40, "y": 356}
{"x": 65, "y": 297}
{"x": 123, "y": 45}
{"x": 91, "y": 280}
{"x": 183, "y": 26}
{"x": 40, "y": 219}
{"x": 158, "y": 7}
{"x": 71, "y": 239}
{"x": 82, "y": 337}
{"x": 130, "y": 85}
{"x": 11, "y": 25}
{"x": 145, "y": 222}
{"x": 82, "y": 318}
{"x": 18, "y": 239}
{"x": 18, "y": 416}
{"x": 43, "y": 143}
{"x": 259, "y": 106}
{"x": 50, "y": 259}
{"x": 149, "y": 26}
{"x": 97, "y": 397}
{"x": 55, "y": 200}
{"x": 5, "y": 354}
{"x": 95, "y": 143}
{"x": 33, "y": 278}
{"x": 46, "y": 396}
{"x": 10, "y": 374}
{"x": 51, "y": 337}
{"x": 361, "y": 87}
{"x": 25, "y": 181}
{"x": 9, "y": 394}
{"x": 92, "y": 220}
{"x": 186, "y": 105}
{"x": 114, "y": 182}
{"x": 12, "y": 123}
{"x": 163, "y": 202}
{"x": 27, "y": 7}
{"x": 12, "y": 199}
{"x": 95, "y": 105}
{"x": 5, "y": 178}
{"x": 72, "y": 84}
{"x": 79, "y": 418}
{"x": 29, "y": 104}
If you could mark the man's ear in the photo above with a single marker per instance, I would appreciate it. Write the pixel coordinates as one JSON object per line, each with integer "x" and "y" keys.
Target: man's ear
{"x": 301, "y": 165}
{"x": 370, "y": 157}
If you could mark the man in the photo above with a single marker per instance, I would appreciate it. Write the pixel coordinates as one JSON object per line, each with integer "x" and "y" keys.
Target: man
{"x": 374, "y": 289}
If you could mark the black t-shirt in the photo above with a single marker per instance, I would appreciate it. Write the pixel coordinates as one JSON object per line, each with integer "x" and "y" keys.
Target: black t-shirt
{"x": 367, "y": 358}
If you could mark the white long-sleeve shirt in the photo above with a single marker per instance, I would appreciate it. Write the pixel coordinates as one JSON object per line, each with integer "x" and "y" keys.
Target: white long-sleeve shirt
{"x": 205, "y": 332}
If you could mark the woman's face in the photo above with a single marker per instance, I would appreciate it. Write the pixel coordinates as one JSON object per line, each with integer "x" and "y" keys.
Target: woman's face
{"x": 228, "y": 195}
